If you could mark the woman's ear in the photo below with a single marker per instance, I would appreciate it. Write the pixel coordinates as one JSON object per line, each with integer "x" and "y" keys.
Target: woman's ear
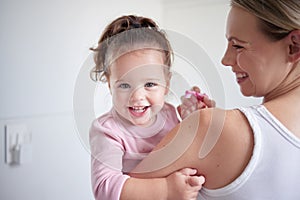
{"x": 294, "y": 46}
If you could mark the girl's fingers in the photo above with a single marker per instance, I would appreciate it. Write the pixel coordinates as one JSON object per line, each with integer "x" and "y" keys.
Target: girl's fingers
{"x": 209, "y": 102}
{"x": 196, "y": 89}
{"x": 196, "y": 180}
{"x": 188, "y": 171}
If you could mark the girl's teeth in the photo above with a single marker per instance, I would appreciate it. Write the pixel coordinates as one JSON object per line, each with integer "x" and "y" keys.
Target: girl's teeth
{"x": 138, "y": 109}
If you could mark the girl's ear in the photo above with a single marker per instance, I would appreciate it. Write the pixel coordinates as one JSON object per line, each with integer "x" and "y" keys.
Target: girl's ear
{"x": 294, "y": 46}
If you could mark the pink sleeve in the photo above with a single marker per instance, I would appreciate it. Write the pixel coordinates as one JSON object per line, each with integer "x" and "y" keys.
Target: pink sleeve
{"x": 106, "y": 164}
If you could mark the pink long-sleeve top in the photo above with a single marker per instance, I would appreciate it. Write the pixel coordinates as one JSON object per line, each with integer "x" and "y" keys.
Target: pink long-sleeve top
{"x": 118, "y": 146}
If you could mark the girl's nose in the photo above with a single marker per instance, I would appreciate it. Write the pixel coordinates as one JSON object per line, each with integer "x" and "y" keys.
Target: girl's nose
{"x": 138, "y": 94}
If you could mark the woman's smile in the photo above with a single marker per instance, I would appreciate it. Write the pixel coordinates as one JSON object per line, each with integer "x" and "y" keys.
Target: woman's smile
{"x": 241, "y": 77}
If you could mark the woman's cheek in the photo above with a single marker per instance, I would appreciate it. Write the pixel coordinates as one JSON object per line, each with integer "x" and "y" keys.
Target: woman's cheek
{"x": 240, "y": 60}
{"x": 246, "y": 61}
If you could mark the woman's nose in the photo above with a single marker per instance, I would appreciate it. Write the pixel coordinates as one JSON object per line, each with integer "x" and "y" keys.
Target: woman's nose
{"x": 228, "y": 58}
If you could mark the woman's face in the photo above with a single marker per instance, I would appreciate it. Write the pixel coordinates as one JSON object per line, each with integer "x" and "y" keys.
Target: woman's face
{"x": 138, "y": 84}
{"x": 258, "y": 63}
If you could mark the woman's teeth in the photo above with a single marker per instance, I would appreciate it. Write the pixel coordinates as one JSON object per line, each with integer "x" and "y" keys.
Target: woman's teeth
{"x": 241, "y": 75}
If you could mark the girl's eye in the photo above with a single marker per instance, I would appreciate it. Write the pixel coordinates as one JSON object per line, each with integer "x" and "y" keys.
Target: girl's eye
{"x": 124, "y": 86}
{"x": 150, "y": 84}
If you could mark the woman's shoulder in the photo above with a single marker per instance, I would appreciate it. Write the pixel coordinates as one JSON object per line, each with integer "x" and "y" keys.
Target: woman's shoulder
{"x": 226, "y": 121}
{"x": 226, "y": 144}
{"x": 228, "y": 126}
{"x": 217, "y": 142}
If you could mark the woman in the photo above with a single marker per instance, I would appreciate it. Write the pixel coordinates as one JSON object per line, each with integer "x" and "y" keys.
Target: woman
{"x": 253, "y": 152}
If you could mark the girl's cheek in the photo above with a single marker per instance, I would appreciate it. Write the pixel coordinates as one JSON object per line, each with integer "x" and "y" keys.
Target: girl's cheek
{"x": 120, "y": 97}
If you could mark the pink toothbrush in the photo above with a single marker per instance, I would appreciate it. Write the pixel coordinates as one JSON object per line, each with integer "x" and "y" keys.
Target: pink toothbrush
{"x": 199, "y": 96}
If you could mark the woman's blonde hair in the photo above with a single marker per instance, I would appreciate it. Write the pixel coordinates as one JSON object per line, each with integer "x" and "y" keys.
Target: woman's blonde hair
{"x": 278, "y": 17}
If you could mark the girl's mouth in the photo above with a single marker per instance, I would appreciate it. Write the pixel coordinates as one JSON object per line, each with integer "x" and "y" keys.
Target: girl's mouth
{"x": 138, "y": 110}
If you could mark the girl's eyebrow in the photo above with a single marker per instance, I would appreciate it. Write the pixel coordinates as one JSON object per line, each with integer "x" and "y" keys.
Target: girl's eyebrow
{"x": 152, "y": 79}
{"x": 120, "y": 81}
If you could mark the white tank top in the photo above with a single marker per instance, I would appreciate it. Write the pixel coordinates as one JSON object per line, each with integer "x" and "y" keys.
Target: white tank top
{"x": 274, "y": 169}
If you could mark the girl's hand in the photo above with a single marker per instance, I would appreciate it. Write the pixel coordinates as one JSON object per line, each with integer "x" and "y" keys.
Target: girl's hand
{"x": 193, "y": 100}
{"x": 184, "y": 184}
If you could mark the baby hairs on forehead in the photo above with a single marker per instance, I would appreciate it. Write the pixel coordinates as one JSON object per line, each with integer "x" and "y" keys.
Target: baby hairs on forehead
{"x": 124, "y": 35}
{"x": 277, "y": 18}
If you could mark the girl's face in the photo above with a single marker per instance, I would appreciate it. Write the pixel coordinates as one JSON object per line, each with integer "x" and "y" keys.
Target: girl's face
{"x": 258, "y": 63}
{"x": 138, "y": 83}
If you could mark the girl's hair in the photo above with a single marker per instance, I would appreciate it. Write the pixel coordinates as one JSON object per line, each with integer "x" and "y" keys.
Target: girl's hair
{"x": 126, "y": 34}
{"x": 278, "y": 17}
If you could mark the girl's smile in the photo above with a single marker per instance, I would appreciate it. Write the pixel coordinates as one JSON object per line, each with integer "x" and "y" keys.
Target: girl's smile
{"x": 138, "y": 111}
{"x": 138, "y": 84}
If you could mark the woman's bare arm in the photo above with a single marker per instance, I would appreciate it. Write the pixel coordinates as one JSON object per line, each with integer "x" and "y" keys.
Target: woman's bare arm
{"x": 217, "y": 143}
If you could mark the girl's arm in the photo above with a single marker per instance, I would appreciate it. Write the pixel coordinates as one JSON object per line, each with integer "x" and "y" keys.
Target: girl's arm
{"x": 179, "y": 185}
{"x": 110, "y": 183}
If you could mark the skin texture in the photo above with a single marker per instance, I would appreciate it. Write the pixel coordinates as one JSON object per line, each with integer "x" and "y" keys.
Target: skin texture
{"x": 263, "y": 68}
{"x": 272, "y": 68}
{"x": 220, "y": 166}
{"x": 138, "y": 85}
{"x": 251, "y": 53}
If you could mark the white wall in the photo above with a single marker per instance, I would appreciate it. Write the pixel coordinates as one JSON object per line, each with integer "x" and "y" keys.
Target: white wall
{"x": 204, "y": 23}
{"x": 43, "y": 46}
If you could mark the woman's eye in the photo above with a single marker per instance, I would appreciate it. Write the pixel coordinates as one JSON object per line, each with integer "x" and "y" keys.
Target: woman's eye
{"x": 124, "y": 86}
{"x": 150, "y": 84}
{"x": 237, "y": 46}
